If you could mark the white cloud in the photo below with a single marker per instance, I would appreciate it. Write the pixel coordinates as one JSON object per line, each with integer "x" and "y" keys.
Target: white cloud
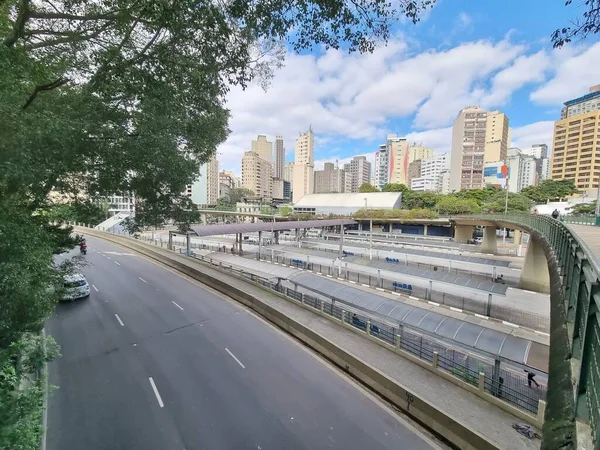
{"x": 534, "y": 133}
{"x": 357, "y": 99}
{"x": 576, "y": 69}
{"x": 464, "y": 20}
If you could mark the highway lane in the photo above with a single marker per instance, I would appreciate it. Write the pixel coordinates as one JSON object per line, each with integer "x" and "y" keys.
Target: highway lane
{"x": 153, "y": 360}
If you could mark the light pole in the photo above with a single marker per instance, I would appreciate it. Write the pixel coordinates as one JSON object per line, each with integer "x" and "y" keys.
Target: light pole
{"x": 505, "y": 204}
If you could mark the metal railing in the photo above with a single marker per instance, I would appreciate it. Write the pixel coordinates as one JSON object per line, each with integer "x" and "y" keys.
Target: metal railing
{"x": 456, "y": 361}
{"x": 581, "y": 220}
{"x": 574, "y": 370}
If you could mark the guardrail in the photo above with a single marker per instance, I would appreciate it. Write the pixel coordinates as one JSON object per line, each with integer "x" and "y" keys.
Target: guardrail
{"x": 581, "y": 220}
{"x": 574, "y": 374}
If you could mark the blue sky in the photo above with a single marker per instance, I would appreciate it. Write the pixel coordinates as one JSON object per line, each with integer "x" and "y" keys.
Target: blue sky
{"x": 489, "y": 53}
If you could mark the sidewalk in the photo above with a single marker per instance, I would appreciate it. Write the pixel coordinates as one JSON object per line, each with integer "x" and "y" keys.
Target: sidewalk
{"x": 480, "y": 416}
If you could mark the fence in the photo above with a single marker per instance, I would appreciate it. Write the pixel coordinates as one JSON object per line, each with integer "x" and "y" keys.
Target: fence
{"x": 581, "y": 220}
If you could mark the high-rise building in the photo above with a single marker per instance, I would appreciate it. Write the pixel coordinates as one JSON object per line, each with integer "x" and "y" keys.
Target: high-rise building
{"x": 381, "y": 167}
{"x": 431, "y": 170}
{"x": 414, "y": 171}
{"x": 359, "y": 170}
{"x": 478, "y": 136}
{"x": 288, "y": 171}
{"x": 576, "y": 143}
{"x": 581, "y": 105}
{"x": 520, "y": 172}
{"x": 304, "y": 165}
{"x": 263, "y": 148}
{"x": 542, "y": 162}
{"x": 416, "y": 152}
{"x": 227, "y": 182}
{"x": 398, "y": 159}
{"x": 256, "y": 175}
{"x": 329, "y": 180}
{"x": 204, "y": 190}
{"x": 279, "y": 157}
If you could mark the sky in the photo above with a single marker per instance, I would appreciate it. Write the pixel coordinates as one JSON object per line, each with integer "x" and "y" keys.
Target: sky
{"x": 495, "y": 54}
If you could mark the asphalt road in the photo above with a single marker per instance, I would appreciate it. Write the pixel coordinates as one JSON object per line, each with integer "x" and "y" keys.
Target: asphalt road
{"x": 153, "y": 360}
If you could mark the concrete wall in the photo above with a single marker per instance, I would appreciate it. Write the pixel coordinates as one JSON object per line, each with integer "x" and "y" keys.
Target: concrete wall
{"x": 457, "y": 433}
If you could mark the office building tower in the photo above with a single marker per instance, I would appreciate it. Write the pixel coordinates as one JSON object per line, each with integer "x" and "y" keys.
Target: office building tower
{"x": 576, "y": 142}
{"x": 256, "y": 175}
{"x": 263, "y": 148}
{"x": 329, "y": 180}
{"x": 478, "y": 136}
{"x": 204, "y": 191}
{"x": 304, "y": 165}
{"x": 357, "y": 173}
{"x": 279, "y": 157}
{"x": 288, "y": 171}
{"x": 582, "y": 105}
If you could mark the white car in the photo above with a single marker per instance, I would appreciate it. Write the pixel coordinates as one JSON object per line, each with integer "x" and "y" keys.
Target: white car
{"x": 76, "y": 286}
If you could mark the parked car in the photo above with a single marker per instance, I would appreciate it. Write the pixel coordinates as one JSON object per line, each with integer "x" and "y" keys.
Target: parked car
{"x": 76, "y": 286}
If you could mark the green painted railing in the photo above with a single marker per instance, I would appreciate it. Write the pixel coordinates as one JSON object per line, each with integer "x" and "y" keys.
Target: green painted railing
{"x": 573, "y": 401}
{"x": 581, "y": 220}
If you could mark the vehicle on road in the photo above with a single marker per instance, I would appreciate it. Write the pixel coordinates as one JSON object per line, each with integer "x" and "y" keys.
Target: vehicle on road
{"x": 76, "y": 287}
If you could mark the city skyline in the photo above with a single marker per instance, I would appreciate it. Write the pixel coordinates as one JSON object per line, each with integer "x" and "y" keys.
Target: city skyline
{"x": 416, "y": 85}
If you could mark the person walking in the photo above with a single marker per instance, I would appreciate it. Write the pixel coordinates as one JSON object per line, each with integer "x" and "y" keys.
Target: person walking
{"x": 531, "y": 378}
{"x": 555, "y": 214}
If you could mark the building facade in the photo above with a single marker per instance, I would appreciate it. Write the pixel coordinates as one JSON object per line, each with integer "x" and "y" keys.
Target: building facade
{"x": 398, "y": 159}
{"x": 357, "y": 172}
{"x": 414, "y": 171}
{"x": 381, "y": 167}
{"x": 279, "y": 158}
{"x": 329, "y": 180}
{"x": 478, "y": 136}
{"x": 576, "y": 142}
{"x": 423, "y": 184}
{"x": 288, "y": 171}
{"x": 582, "y": 105}
{"x": 304, "y": 165}
{"x": 256, "y": 175}
{"x": 204, "y": 191}
{"x": 263, "y": 148}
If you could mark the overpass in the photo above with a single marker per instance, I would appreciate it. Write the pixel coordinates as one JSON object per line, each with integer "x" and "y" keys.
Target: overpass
{"x": 571, "y": 253}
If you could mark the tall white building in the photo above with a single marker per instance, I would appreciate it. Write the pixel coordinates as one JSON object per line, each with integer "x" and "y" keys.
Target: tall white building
{"x": 204, "y": 191}
{"x": 540, "y": 153}
{"x": 432, "y": 169}
{"x": 288, "y": 171}
{"x": 381, "y": 167}
{"x": 279, "y": 158}
{"x": 304, "y": 165}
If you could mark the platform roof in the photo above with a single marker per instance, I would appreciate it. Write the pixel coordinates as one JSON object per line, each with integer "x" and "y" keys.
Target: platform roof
{"x": 234, "y": 228}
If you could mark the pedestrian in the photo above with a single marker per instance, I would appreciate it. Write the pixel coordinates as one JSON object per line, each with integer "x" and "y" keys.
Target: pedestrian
{"x": 530, "y": 378}
{"x": 555, "y": 214}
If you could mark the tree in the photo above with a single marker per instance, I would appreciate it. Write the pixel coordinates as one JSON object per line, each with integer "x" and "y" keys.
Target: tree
{"x": 394, "y": 187}
{"x": 516, "y": 203}
{"x": 128, "y": 96}
{"x": 453, "y": 205}
{"x": 550, "y": 190}
{"x": 285, "y": 211}
{"x": 416, "y": 200}
{"x": 583, "y": 209}
{"x": 582, "y": 28}
{"x": 367, "y": 187}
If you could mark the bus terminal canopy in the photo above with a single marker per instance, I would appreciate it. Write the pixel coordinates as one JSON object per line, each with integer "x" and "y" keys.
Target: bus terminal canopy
{"x": 235, "y": 228}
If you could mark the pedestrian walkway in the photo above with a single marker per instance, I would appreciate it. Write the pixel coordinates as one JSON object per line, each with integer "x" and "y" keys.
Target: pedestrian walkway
{"x": 479, "y": 415}
{"x": 590, "y": 235}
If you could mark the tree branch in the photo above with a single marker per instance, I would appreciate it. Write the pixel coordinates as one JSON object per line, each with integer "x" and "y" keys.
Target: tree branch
{"x": 23, "y": 16}
{"x": 45, "y": 87}
{"x": 69, "y": 39}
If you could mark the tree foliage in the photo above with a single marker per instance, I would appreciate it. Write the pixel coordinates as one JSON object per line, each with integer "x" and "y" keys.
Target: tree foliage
{"x": 588, "y": 24}
{"x": 584, "y": 209}
{"x": 367, "y": 187}
{"x": 395, "y": 214}
{"x": 550, "y": 190}
{"x": 451, "y": 204}
{"x": 394, "y": 187}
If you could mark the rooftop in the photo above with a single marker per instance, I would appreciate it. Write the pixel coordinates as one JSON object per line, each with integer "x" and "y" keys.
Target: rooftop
{"x": 372, "y": 200}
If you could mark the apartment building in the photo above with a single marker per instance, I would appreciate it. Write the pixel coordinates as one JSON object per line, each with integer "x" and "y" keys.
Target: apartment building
{"x": 304, "y": 165}
{"x": 576, "y": 142}
{"x": 381, "y": 167}
{"x": 288, "y": 171}
{"x": 329, "y": 180}
{"x": 263, "y": 148}
{"x": 358, "y": 170}
{"x": 204, "y": 191}
{"x": 478, "y": 136}
{"x": 256, "y": 175}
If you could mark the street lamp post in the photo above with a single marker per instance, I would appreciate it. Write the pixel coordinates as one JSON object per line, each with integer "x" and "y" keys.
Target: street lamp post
{"x": 505, "y": 207}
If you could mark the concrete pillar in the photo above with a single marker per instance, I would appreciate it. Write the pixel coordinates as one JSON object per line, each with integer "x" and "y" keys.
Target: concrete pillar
{"x": 535, "y": 275}
{"x": 360, "y": 228}
{"x": 517, "y": 237}
{"x": 276, "y": 237}
{"x": 462, "y": 233}
{"x": 241, "y": 239}
{"x": 259, "y": 244}
{"x": 490, "y": 241}
{"x": 425, "y": 229}
{"x": 203, "y": 218}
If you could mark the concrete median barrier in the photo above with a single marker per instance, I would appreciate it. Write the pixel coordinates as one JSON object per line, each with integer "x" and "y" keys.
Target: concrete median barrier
{"x": 457, "y": 433}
